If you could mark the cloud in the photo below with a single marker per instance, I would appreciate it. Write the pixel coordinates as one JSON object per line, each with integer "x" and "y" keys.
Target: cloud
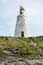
{"x": 9, "y": 9}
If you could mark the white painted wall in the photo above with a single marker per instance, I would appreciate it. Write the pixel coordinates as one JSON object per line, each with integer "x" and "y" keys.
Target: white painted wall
{"x": 21, "y": 26}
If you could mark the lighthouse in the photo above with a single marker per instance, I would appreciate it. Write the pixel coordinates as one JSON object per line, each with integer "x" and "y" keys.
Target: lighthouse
{"x": 21, "y": 29}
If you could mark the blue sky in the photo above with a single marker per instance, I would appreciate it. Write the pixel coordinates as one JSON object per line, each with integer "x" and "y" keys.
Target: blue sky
{"x": 9, "y": 9}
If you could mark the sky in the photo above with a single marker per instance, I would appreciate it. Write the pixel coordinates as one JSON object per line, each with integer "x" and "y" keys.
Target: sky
{"x": 9, "y": 10}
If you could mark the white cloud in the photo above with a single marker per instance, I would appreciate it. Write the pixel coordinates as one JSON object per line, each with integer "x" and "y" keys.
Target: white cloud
{"x": 3, "y": 1}
{"x": 9, "y": 9}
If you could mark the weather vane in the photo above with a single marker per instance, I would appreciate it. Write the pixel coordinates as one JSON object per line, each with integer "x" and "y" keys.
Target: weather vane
{"x": 21, "y": 9}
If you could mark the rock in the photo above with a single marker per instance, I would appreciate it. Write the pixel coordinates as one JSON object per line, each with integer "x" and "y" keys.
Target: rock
{"x": 39, "y": 50}
{"x": 2, "y": 63}
{"x": 11, "y": 63}
{"x": 26, "y": 62}
{"x": 38, "y": 63}
{"x": 15, "y": 51}
{"x": 7, "y": 52}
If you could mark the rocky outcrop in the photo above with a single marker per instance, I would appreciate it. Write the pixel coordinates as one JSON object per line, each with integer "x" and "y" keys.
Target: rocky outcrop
{"x": 26, "y": 62}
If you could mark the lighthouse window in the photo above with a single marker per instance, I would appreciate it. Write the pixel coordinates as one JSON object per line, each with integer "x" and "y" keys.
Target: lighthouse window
{"x": 22, "y": 34}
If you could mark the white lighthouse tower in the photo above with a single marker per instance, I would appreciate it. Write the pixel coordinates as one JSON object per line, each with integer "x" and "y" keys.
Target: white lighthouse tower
{"x": 21, "y": 26}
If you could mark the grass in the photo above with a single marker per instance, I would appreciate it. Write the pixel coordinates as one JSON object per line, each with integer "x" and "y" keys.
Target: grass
{"x": 23, "y": 46}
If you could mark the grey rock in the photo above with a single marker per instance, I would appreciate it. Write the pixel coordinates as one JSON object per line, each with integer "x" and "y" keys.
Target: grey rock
{"x": 26, "y": 62}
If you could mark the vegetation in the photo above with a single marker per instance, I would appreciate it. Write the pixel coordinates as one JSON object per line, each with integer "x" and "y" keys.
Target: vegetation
{"x": 31, "y": 47}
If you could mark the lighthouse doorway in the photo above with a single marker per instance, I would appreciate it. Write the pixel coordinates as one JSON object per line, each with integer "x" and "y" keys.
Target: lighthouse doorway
{"x": 22, "y": 34}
